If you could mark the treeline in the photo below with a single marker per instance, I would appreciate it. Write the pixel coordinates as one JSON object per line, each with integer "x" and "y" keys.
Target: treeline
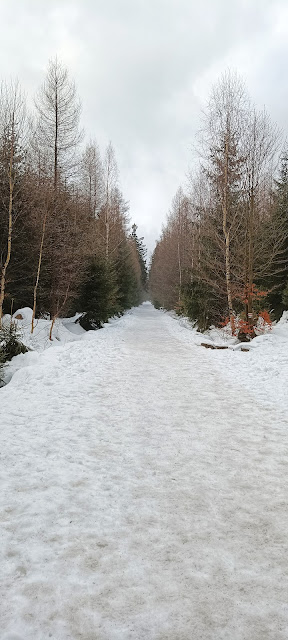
{"x": 65, "y": 243}
{"x": 223, "y": 253}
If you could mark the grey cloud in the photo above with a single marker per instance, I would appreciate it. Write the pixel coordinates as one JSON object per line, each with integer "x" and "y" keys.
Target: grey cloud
{"x": 143, "y": 70}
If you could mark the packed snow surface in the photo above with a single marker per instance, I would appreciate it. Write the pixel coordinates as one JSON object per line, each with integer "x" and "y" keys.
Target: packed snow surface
{"x": 144, "y": 491}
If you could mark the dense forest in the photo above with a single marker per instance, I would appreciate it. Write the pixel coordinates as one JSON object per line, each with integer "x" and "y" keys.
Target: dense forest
{"x": 223, "y": 253}
{"x": 66, "y": 242}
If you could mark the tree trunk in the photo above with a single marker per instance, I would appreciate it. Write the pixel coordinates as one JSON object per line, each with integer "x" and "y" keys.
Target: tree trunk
{"x": 250, "y": 263}
{"x": 38, "y": 270}
{"x": 10, "y": 228}
{"x": 226, "y": 234}
{"x": 107, "y": 239}
{"x": 56, "y": 141}
{"x": 180, "y": 272}
{"x": 228, "y": 281}
{"x": 59, "y": 309}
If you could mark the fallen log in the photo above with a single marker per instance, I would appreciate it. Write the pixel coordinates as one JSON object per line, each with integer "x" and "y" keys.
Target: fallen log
{"x": 212, "y": 346}
{"x": 208, "y": 345}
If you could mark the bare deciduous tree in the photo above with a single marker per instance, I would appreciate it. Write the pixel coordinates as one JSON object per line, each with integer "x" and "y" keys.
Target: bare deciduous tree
{"x": 110, "y": 184}
{"x": 92, "y": 175}
{"x": 58, "y": 111}
{"x": 223, "y": 147}
{"x": 58, "y": 136}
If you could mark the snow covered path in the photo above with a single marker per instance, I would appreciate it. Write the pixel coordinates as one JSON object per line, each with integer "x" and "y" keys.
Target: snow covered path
{"x": 143, "y": 497}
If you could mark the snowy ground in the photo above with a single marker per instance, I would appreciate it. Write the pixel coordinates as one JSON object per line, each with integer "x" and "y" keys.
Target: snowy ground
{"x": 144, "y": 491}
{"x": 263, "y": 372}
{"x": 65, "y": 330}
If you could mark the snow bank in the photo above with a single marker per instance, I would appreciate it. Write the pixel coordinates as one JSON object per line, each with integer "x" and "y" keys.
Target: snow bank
{"x": 65, "y": 331}
{"x": 263, "y": 371}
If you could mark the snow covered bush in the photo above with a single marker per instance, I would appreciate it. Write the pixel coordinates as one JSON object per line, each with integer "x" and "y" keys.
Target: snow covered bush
{"x": 10, "y": 343}
{"x": 245, "y": 331}
{"x": 264, "y": 323}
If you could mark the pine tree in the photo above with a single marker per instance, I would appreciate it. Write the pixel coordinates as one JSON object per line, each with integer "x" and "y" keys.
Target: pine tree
{"x": 12, "y": 130}
{"x": 278, "y": 297}
{"x": 98, "y": 296}
{"x": 142, "y": 254}
{"x": 128, "y": 287}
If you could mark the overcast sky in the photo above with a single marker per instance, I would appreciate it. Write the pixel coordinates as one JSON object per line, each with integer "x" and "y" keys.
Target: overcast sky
{"x": 144, "y": 69}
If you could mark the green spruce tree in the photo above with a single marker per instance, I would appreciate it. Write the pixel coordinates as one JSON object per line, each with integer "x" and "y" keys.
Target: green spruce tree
{"x": 278, "y": 283}
{"x": 98, "y": 298}
{"x": 142, "y": 254}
